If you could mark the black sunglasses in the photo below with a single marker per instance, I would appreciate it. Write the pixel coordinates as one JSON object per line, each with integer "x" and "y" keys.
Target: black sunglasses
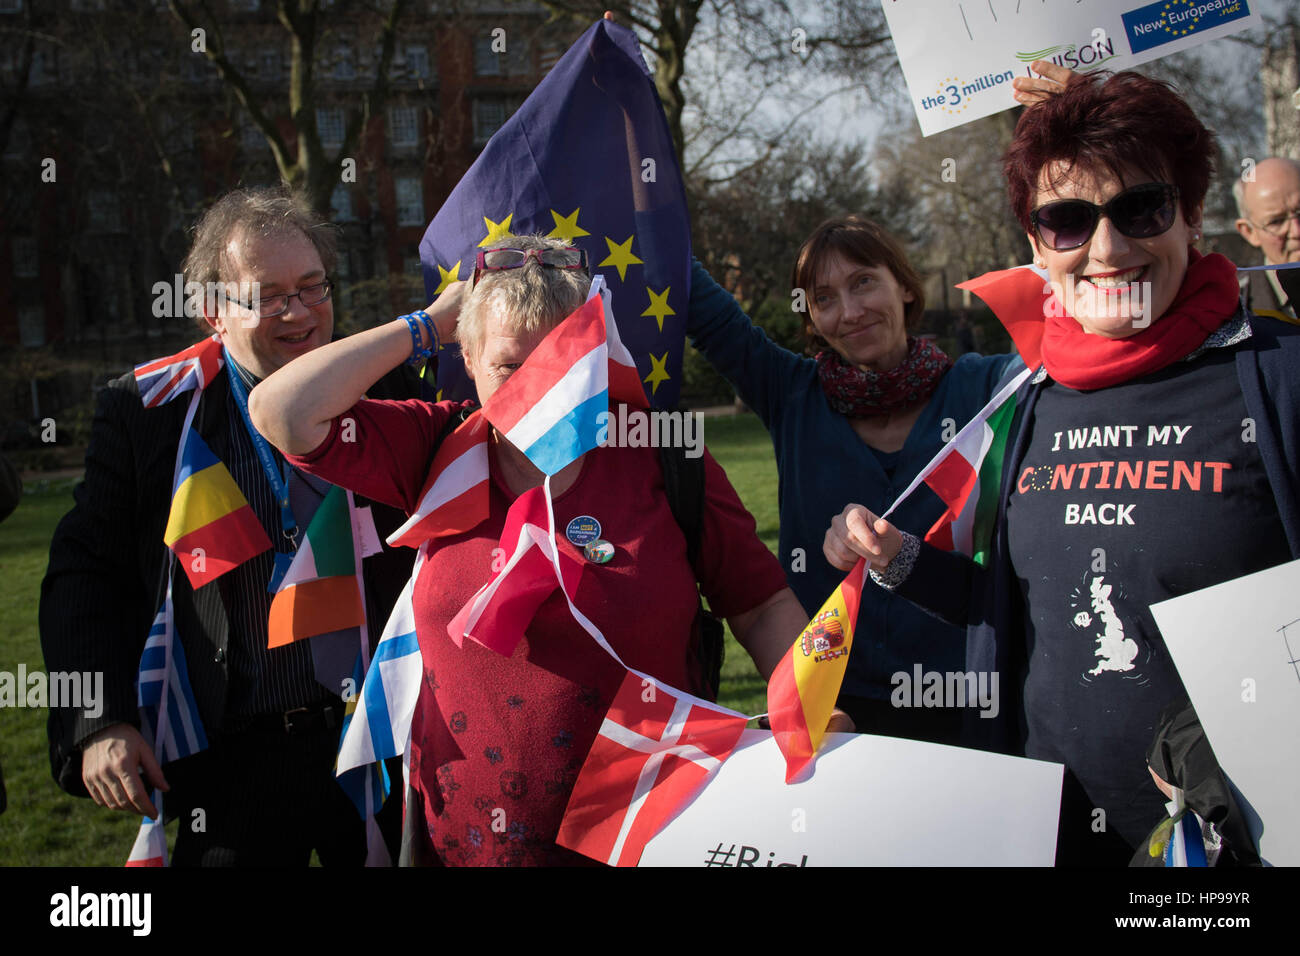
{"x": 1139, "y": 213}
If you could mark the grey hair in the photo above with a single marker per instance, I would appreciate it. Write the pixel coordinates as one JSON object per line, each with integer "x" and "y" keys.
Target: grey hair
{"x": 529, "y": 298}
{"x": 263, "y": 212}
{"x": 1239, "y": 194}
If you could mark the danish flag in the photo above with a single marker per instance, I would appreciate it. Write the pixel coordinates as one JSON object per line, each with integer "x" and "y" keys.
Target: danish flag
{"x": 163, "y": 379}
{"x": 655, "y": 751}
{"x": 455, "y": 496}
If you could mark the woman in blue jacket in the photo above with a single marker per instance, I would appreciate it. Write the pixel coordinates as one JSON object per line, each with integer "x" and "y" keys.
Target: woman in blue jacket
{"x": 1154, "y": 453}
{"x": 854, "y": 421}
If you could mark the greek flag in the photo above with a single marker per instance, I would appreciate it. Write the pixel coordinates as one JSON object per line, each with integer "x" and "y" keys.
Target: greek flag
{"x": 167, "y": 707}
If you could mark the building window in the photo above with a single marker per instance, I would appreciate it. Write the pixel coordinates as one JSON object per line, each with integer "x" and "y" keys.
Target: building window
{"x": 19, "y": 140}
{"x": 25, "y": 263}
{"x": 417, "y": 61}
{"x": 43, "y": 68}
{"x": 518, "y": 57}
{"x": 11, "y": 6}
{"x": 245, "y": 6}
{"x": 549, "y": 55}
{"x": 489, "y": 116}
{"x": 410, "y": 201}
{"x": 343, "y": 268}
{"x": 486, "y": 61}
{"x": 269, "y": 64}
{"x": 329, "y": 125}
{"x": 403, "y": 125}
{"x": 31, "y": 326}
{"x": 345, "y": 64}
{"x": 250, "y": 137}
{"x": 341, "y": 205}
{"x": 105, "y": 213}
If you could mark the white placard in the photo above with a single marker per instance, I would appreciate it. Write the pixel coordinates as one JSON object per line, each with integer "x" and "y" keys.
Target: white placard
{"x": 959, "y": 56}
{"x": 871, "y": 801}
{"x": 1237, "y": 648}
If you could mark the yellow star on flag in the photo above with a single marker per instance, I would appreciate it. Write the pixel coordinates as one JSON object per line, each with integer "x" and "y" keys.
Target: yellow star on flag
{"x": 659, "y": 306}
{"x": 658, "y": 373}
{"x": 620, "y": 256}
{"x": 566, "y": 227}
{"x": 447, "y": 276}
{"x": 496, "y": 230}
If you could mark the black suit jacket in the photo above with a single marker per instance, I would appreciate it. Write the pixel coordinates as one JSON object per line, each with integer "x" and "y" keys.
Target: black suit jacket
{"x": 107, "y": 571}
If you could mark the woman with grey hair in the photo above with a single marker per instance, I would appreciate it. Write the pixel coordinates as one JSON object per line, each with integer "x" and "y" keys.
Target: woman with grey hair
{"x": 497, "y": 741}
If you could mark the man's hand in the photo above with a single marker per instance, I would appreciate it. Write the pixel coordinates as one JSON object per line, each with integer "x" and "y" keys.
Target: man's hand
{"x": 856, "y": 532}
{"x": 840, "y": 723}
{"x": 1051, "y": 79}
{"x": 111, "y": 764}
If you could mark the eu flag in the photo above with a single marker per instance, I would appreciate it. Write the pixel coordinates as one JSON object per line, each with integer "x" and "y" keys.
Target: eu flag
{"x": 588, "y": 158}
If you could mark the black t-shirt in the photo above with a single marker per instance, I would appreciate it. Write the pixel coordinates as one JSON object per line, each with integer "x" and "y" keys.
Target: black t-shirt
{"x": 1127, "y": 496}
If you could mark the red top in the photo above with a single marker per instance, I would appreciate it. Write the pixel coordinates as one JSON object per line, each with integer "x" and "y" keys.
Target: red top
{"x": 498, "y": 742}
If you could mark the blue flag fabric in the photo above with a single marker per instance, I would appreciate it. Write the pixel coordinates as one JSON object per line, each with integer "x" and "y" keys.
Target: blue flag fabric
{"x": 588, "y": 158}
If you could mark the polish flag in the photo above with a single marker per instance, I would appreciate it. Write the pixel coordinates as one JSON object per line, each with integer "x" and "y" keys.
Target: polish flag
{"x": 501, "y": 611}
{"x": 455, "y": 496}
{"x": 656, "y": 750}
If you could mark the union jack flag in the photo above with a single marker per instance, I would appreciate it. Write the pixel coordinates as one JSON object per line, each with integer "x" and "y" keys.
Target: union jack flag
{"x": 163, "y": 379}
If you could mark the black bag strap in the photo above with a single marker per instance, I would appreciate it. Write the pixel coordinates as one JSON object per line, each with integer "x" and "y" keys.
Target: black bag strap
{"x": 684, "y": 486}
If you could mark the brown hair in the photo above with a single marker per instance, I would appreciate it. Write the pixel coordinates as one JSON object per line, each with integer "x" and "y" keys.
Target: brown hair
{"x": 261, "y": 211}
{"x": 861, "y": 241}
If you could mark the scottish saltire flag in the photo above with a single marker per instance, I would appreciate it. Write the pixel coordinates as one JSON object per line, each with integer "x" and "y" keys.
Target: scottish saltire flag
{"x": 455, "y": 495}
{"x": 379, "y": 725}
{"x": 588, "y": 159}
{"x": 163, "y": 379}
{"x": 320, "y": 592}
{"x": 499, "y": 613}
{"x": 551, "y": 408}
{"x": 150, "y": 847}
{"x": 966, "y": 474}
{"x": 367, "y": 785}
{"x": 802, "y": 690}
{"x": 656, "y": 749}
{"x": 211, "y": 527}
{"x": 168, "y": 711}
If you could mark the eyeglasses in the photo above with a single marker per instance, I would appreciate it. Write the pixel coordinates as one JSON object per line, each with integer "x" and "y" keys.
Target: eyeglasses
{"x": 493, "y": 260}
{"x": 1139, "y": 213}
{"x": 1278, "y": 225}
{"x": 270, "y": 306}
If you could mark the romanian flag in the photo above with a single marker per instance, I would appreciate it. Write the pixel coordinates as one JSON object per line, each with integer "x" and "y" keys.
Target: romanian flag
{"x": 801, "y": 692}
{"x": 211, "y": 528}
{"x": 319, "y": 593}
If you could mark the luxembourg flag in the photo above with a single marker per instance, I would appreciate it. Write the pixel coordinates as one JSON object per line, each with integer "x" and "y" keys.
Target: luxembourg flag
{"x": 550, "y": 409}
{"x": 499, "y": 613}
{"x": 150, "y": 848}
{"x": 163, "y": 379}
{"x": 455, "y": 495}
{"x": 804, "y": 686}
{"x": 380, "y": 725}
{"x": 966, "y": 474}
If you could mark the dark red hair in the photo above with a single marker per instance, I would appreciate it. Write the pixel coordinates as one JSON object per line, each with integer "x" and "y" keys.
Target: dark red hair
{"x": 1107, "y": 121}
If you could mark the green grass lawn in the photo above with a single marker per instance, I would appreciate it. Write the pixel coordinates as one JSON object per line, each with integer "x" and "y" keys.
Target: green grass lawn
{"x": 45, "y": 827}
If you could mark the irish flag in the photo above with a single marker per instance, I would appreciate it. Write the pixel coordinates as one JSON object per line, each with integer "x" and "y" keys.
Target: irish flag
{"x": 966, "y": 474}
{"x": 319, "y": 593}
{"x": 802, "y": 690}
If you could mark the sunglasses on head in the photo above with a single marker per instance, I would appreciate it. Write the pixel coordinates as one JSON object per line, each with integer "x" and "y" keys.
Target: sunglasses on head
{"x": 1139, "y": 213}
{"x": 494, "y": 260}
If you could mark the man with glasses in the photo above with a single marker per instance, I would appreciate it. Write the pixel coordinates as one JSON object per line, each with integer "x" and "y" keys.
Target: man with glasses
{"x": 1270, "y": 221}
{"x": 263, "y": 790}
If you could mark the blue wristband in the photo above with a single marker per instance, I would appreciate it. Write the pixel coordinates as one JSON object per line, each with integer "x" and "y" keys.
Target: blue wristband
{"x": 435, "y": 344}
{"x": 418, "y": 354}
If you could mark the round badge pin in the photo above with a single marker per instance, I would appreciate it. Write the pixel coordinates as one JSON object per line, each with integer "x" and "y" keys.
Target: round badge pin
{"x": 599, "y": 551}
{"x": 582, "y": 530}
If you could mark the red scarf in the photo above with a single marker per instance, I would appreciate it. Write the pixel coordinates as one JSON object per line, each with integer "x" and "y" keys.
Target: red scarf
{"x": 1081, "y": 360}
{"x": 860, "y": 392}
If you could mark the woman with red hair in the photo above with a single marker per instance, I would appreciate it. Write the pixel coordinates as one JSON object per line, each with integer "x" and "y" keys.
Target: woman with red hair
{"x": 1153, "y": 454}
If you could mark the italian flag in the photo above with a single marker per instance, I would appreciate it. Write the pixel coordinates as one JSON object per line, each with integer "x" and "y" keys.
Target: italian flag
{"x": 802, "y": 690}
{"x": 966, "y": 474}
{"x": 319, "y": 593}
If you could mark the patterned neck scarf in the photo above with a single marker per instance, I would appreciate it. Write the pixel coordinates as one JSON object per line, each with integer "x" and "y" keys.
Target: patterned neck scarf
{"x": 858, "y": 393}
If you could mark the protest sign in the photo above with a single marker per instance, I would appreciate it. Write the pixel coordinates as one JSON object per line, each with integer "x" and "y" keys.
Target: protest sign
{"x": 1237, "y": 648}
{"x": 878, "y": 801}
{"x": 959, "y": 56}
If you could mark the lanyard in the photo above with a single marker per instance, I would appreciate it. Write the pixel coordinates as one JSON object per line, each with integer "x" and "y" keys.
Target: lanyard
{"x": 279, "y": 483}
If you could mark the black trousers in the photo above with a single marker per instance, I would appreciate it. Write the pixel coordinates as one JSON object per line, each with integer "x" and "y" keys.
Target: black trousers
{"x": 267, "y": 798}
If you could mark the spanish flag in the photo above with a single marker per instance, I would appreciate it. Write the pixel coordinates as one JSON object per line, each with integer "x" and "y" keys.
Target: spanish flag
{"x": 319, "y": 594}
{"x": 801, "y": 692}
{"x": 211, "y": 528}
